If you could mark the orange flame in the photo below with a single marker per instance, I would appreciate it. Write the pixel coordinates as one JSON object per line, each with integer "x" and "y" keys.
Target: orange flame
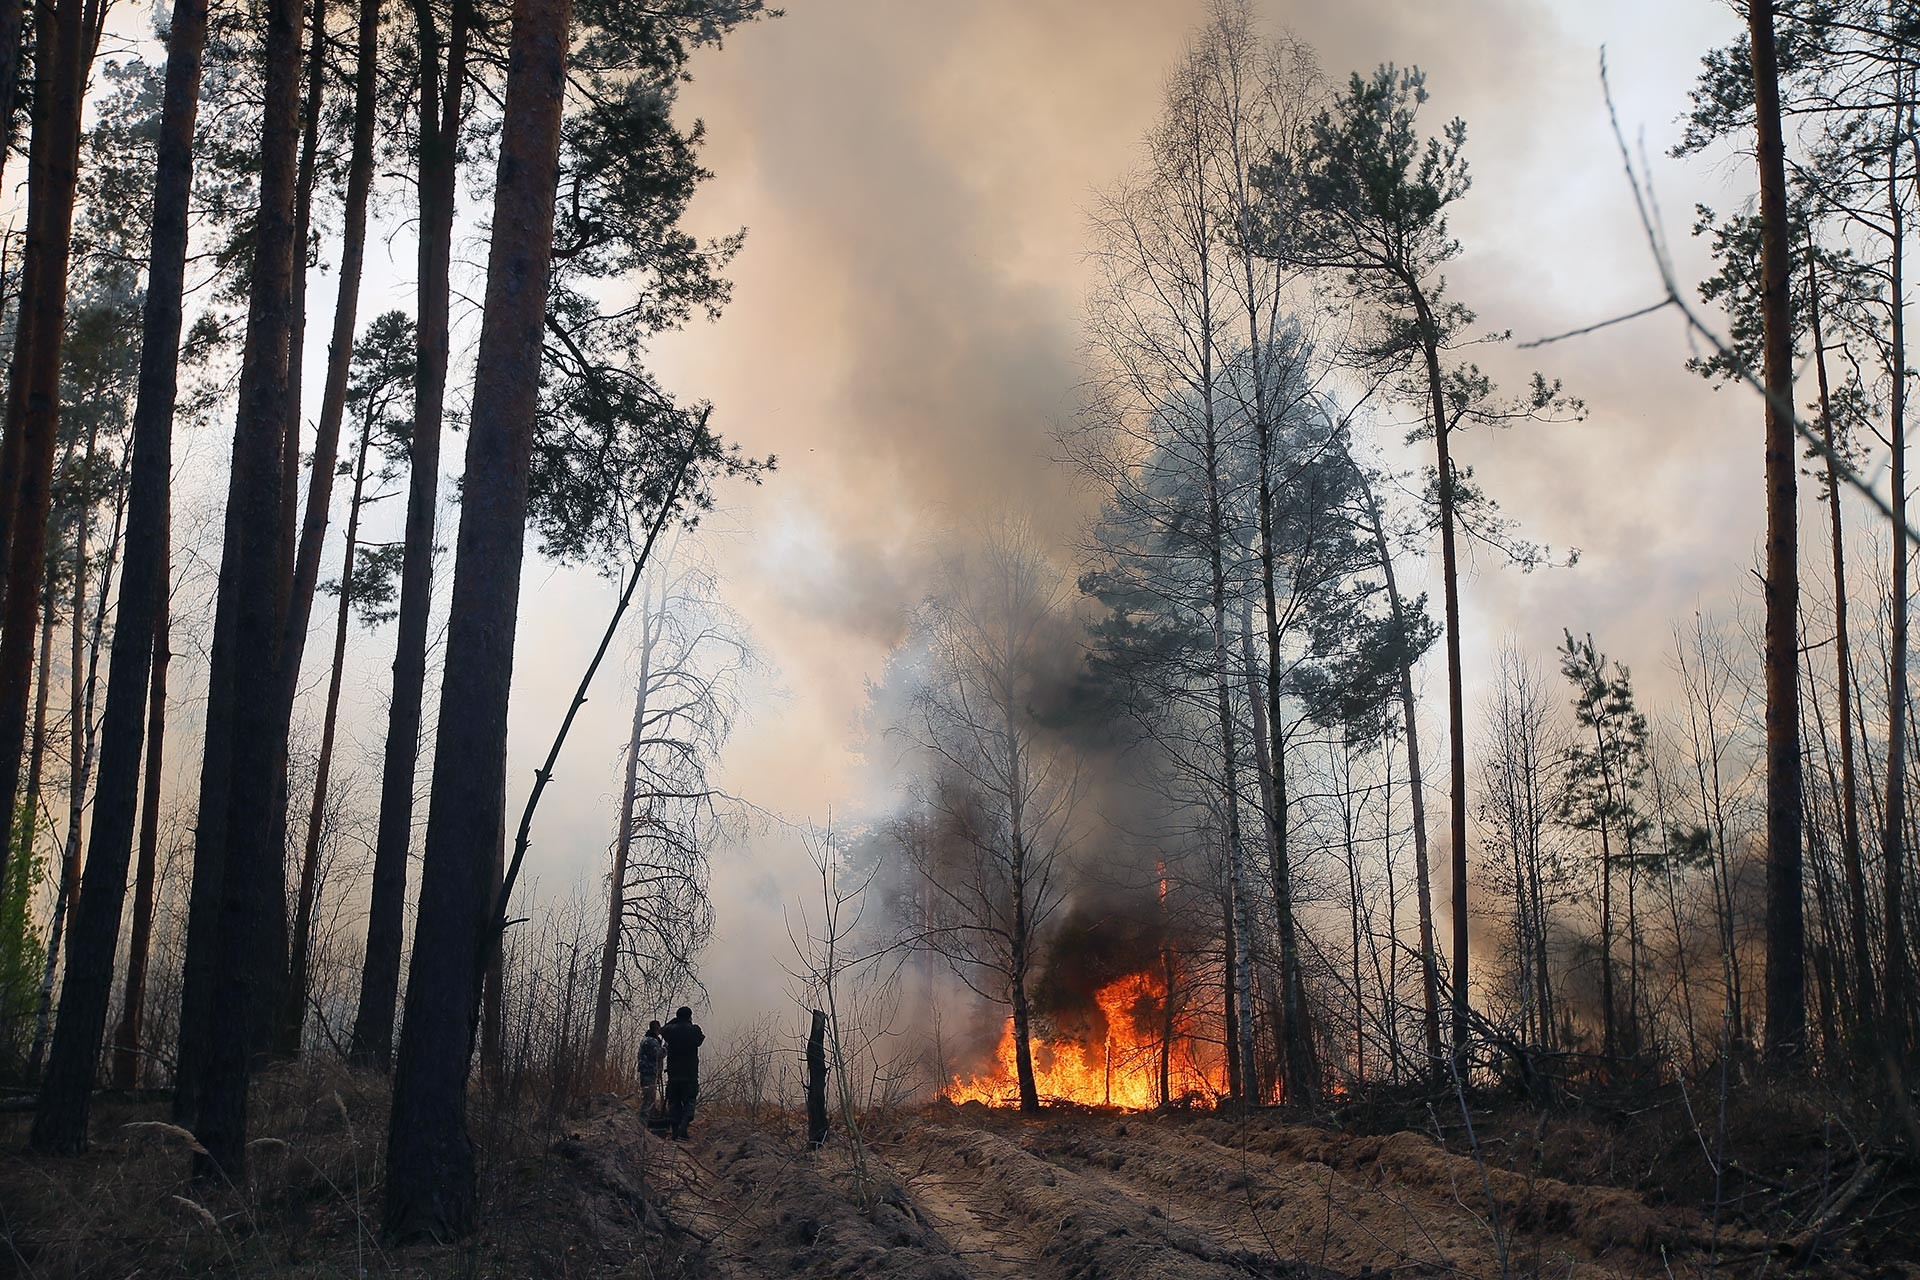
{"x": 1123, "y": 1070}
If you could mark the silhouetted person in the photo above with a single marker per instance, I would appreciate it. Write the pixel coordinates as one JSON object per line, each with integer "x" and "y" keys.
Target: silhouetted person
{"x": 653, "y": 1053}
{"x": 683, "y": 1039}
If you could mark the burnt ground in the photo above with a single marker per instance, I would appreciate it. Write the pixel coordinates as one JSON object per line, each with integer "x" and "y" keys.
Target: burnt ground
{"x": 941, "y": 1194}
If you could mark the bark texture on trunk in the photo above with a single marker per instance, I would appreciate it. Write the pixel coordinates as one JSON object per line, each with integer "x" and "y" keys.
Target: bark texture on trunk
{"x": 245, "y": 969}
{"x": 1786, "y": 959}
{"x": 430, "y": 1188}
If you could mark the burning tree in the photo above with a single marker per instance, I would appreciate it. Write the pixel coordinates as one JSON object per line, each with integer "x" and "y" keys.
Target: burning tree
{"x": 1000, "y": 793}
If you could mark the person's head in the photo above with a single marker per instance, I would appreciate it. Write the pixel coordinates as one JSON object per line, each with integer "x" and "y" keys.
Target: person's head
{"x": 653, "y": 1028}
{"x": 683, "y": 1014}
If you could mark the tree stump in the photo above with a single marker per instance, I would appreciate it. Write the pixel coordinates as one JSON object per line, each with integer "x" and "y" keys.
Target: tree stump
{"x": 817, "y": 1081}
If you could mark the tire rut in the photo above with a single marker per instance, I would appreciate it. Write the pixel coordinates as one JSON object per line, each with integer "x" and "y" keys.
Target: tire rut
{"x": 1079, "y": 1226}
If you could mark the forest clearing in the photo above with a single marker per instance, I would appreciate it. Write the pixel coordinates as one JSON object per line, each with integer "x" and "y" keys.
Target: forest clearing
{"x": 1184, "y": 638}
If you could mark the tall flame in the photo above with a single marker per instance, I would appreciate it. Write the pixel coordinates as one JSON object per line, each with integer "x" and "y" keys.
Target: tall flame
{"x": 1123, "y": 1070}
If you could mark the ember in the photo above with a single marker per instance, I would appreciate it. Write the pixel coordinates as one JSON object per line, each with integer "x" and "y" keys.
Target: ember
{"x": 1123, "y": 1069}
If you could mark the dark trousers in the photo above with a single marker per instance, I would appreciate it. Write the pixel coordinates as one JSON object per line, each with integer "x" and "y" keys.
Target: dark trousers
{"x": 680, "y": 1096}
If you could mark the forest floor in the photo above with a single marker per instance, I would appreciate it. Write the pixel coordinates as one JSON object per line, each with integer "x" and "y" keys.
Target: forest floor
{"x": 955, "y": 1192}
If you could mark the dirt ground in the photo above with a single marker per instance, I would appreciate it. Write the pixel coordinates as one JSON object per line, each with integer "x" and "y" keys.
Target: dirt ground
{"x": 943, "y": 1194}
{"x": 964, "y": 1192}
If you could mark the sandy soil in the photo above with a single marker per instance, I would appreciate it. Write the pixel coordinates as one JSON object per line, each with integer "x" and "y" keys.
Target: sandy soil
{"x": 970, "y": 1193}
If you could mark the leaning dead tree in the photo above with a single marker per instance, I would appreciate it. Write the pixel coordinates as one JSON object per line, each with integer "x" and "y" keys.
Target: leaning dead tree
{"x": 691, "y": 655}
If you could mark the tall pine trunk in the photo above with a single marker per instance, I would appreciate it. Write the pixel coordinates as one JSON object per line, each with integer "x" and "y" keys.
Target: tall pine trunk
{"x": 243, "y": 972}
{"x": 1456, "y": 711}
{"x": 1786, "y": 958}
{"x": 128, "y": 1042}
{"x": 430, "y": 1189}
{"x": 440, "y": 114}
{"x": 33, "y": 400}
{"x": 326, "y": 443}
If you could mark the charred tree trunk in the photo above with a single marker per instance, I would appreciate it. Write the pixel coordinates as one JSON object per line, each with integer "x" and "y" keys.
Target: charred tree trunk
{"x": 430, "y": 1173}
{"x": 817, "y": 1082}
{"x": 440, "y": 115}
{"x": 1786, "y": 960}
{"x": 33, "y": 401}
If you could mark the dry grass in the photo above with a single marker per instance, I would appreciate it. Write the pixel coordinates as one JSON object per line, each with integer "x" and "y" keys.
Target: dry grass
{"x": 311, "y": 1205}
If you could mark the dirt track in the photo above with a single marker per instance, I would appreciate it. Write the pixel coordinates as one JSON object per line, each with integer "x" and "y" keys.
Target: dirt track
{"x": 968, "y": 1193}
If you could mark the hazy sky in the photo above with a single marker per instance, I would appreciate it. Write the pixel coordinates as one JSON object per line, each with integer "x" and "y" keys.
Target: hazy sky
{"x": 906, "y": 334}
{"x": 907, "y": 326}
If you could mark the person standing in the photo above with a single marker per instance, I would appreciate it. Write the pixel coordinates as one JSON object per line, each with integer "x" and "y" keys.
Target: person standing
{"x": 683, "y": 1039}
{"x": 653, "y": 1052}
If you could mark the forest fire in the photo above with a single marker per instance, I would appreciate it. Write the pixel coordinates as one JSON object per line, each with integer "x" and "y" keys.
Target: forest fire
{"x": 1119, "y": 1064}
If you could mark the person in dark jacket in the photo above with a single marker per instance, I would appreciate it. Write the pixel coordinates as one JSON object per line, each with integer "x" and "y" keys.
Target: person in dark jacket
{"x": 653, "y": 1054}
{"x": 683, "y": 1039}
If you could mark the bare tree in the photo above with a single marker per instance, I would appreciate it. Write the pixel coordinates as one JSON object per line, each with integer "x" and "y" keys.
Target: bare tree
{"x": 692, "y": 653}
{"x": 1004, "y": 793}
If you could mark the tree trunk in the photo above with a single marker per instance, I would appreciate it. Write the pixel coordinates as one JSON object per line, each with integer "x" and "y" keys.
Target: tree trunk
{"x": 293, "y": 1005}
{"x": 492, "y": 993}
{"x": 622, "y": 846}
{"x": 287, "y": 656}
{"x": 1020, "y": 941}
{"x": 1416, "y": 785}
{"x": 430, "y": 1172}
{"x": 67, "y": 904}
{"x": 33, "y": 402}
{"x": 1786, "y": 961}
{"x": 1456, "y": 712}
{"x": 1893, "y": 841}
{"x": 128, "y": 1046}
{"x": 1860, "y": 945}
{"x": 1240, "y": 962}
{"x": 244, "y": 968}
{"x": 439, "y": 141}
{"x": 817, "y": 1081}
{"x": 333, "y": 397}
{"x": 1302, "y": 1083}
